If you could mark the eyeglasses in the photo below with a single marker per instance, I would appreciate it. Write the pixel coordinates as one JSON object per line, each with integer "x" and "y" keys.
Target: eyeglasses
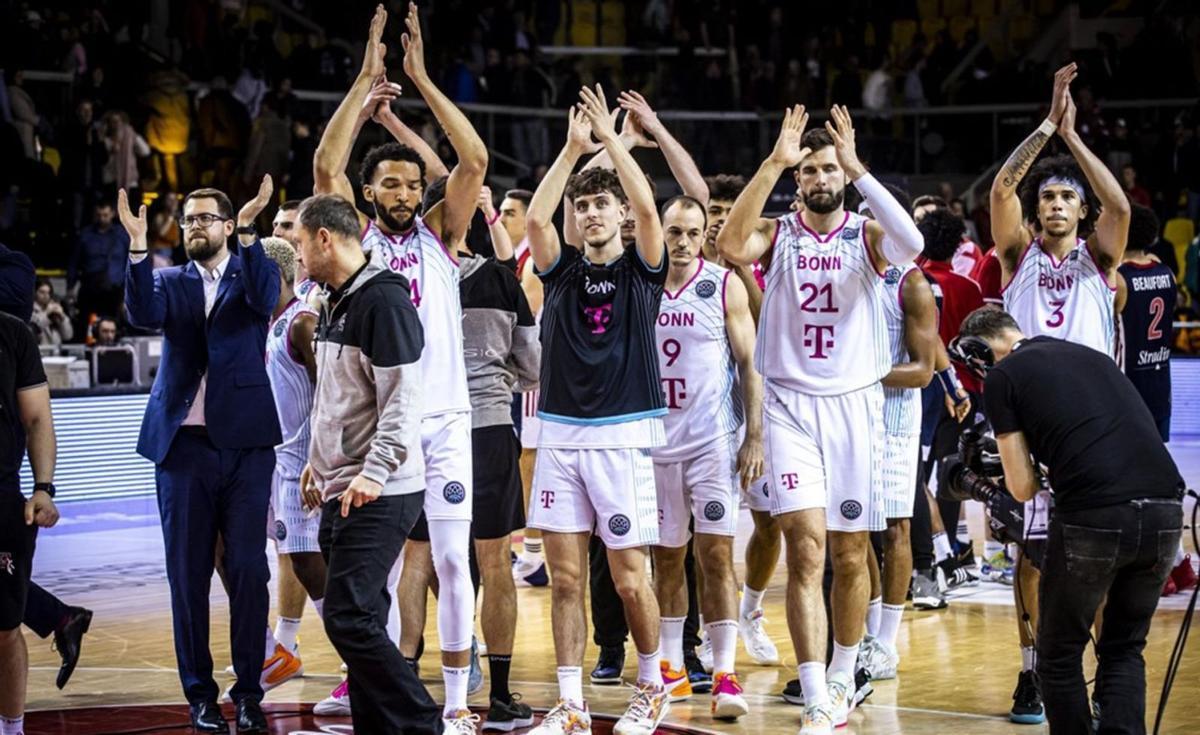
{"x": 200, "y": 220}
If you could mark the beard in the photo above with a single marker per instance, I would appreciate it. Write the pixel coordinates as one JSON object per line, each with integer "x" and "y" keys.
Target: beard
{"x": 200, "y": 247}
{"x": 824, "y": 202}
{"x": 392, "y": 222}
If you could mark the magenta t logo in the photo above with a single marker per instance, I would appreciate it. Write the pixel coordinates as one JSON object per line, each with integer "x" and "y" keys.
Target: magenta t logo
{"x": 790, "y": 480}
{"x": 820, "y": 338}
{"x": 547, "y": 498}
{"x": 599, "y": 316}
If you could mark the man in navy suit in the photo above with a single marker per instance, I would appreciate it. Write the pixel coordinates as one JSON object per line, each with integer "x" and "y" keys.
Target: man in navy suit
{"x": 210, "y": 428}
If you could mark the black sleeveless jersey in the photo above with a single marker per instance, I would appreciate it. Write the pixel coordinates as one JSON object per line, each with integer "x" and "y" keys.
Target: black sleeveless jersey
{"x": 1144, "y": 351}
{"x": 599, "y": 364}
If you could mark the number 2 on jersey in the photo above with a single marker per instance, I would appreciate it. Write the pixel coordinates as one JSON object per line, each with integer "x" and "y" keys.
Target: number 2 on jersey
{"x": 1157, "y": 308}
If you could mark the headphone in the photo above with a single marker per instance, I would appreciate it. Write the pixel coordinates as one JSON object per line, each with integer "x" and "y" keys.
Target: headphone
{"x": 972, "y": 353}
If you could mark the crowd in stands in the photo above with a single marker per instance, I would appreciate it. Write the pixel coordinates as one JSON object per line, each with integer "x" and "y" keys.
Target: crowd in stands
{"x": 161, "y": 97}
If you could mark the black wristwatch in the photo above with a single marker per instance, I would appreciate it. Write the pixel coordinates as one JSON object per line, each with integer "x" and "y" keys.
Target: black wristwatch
{"x": 247, "y": 230}
{"x": 46, "y": 487}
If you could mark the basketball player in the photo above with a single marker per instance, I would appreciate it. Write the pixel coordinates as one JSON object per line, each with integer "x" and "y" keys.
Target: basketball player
{"x": 763, "y": 547}
{"x": 822, "y": 351}
{"x": 393, "y": 180}
{"x": 911, "y": 314}
{"x": 601, "y": 407}
{"x": 705, "y": 335}
{"x": 1059, "y": 239}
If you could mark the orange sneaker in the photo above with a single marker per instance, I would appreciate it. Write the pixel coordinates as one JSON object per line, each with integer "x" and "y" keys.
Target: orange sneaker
{"x": 676, "y": 683}
{"x": 280, "y": 667}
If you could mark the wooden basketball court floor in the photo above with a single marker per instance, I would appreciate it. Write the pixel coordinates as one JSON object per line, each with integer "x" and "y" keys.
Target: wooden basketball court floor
{"x": 957, "y": 671}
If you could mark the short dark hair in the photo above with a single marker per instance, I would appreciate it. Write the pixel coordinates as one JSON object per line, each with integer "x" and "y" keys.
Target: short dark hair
{"x": 331, "y": 212}
{"x": 434, "y": 193}
{"x": 726, "y": 187}
{"x": 943, "y": 231}
{"x": 290, "y": 204}
{"x": 1143, "y": 228}
{"x": 926, "y": 199}
{"x": 1062, "y": 167}
{"x": 687, "y": 202}
{"x": 987, "y": 322}
{"x": 224, "y": 206}
{"x": 388, "y": 152}
{"x": 524, "y": 196}
{"x": 595, "y": 181}
{"x": 105, "y": 204}
{"x": 815, "y": 139}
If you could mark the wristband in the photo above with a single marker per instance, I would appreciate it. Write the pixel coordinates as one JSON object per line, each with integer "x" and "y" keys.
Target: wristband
{"x": 250, "y": 230}
{"x": 46, "y": 487}
{"x": 949, "y": 380}
{"x": 492, "y": 220}
{"x": 138, "y": 252}
{"x": 1047, "y": 127}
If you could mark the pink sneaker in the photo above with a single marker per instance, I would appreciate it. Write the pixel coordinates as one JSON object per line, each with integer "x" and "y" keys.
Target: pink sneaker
{"x": 337, "y": 704}
{"x": 727, "y": 700}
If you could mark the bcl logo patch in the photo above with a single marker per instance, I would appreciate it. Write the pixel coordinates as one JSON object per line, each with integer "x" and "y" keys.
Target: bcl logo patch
{"x": 454, "y": 492}
{"x": 706, "y": 288}
{"x": 891, "y": 276}
{"x": 619, "y": 524}
{"x": 849, "y": 233}
{"x": 714, "y": 511}
{"x": 279, "y": 327}
{"x": 851, "y": 509}
{"x": 280, "y": 531}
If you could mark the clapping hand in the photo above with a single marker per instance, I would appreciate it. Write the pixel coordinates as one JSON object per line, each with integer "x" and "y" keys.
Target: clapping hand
{"x": 645, "y": 118}
{"x": 841, "y": 129}
{"x": 373, "y": 66}
{"x": 252, "y": 208}
{"x": 135, "y": 226}
{"x": 595, "y": 107}
{"x": 579, "y": 132}
{"x": 414, "y": 47}
{"x": 378, "y": 105}
{"x": 787, "y": 151}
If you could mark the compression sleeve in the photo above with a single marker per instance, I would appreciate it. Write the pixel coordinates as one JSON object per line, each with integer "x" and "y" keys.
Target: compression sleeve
{"x": 902, "y": 241}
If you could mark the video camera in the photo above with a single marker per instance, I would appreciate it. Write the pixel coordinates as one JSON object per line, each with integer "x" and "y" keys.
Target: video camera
{"x": 975, "y": 473}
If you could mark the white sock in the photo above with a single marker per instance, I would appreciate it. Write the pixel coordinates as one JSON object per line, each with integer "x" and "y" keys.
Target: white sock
{"x": 269, "y": 644}
{"x": 532, "y": 548}
{"x": 812, "y": 683}
{"x": 648, "y": 669}
{"x": 393, "y": 619}
{"x": 844, "y": 660}
{"x": 285, "y": 632}
{"x": 700, "y": 619}
{"x": 671, "y": 640}
{"x": 751, "y": 601}
{"x": 1028, "y": 658}
{"x": 320, "y": 607}
{"x": 889, "y": 624}
{"x": 570, "y": 684}
{"x": 12, "y": 726}
{"x": 962, "y": 532}
{"x": 873, "y": 609}
{"x": 456, "y": 688}
{"x": 941, "y": 546}
{"x": 724, "y": 636}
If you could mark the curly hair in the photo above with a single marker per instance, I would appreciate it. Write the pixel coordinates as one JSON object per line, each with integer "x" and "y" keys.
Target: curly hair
{"x": 1061, "y": 167}
{"x": 725, "y": 187}
{"x": 388, "y": 152}
{"x": 1143, "y": 228}
{"x": 943, "y": 231}
{"x": 595, "y": 181}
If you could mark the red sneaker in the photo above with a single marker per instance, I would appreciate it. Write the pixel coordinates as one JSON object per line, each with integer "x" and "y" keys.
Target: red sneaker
{"x": 1184, "y": 576}
{"x": 1169, "y": 588}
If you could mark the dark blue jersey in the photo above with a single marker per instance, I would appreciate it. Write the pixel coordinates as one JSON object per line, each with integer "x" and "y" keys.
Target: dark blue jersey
{"x": 1144, "y": 352}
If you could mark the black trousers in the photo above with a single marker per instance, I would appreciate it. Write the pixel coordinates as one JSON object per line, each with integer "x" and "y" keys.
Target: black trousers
{"x": 386, "y": 696}
{"x": 1122, "y": 553}
{"x": 43, "y": 611}
{"x": 609, "y": 628}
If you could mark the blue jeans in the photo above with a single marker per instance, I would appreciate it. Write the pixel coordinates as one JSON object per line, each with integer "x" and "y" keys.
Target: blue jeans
{"x": 1120, "y": 552}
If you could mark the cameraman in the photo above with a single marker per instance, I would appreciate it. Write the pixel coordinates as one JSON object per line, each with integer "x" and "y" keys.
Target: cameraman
{"x": 1117, "y": 518}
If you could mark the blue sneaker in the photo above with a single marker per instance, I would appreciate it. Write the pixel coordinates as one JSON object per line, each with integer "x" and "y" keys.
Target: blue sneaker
{"x": 475, "y": 678}
{"x": 701, "y": 680}
{"x": 530, "y": 574}
{"x": 609, "y": 665}
{"x": 1027, "y": 706}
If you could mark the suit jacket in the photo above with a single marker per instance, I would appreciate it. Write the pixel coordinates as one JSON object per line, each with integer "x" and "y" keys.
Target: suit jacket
{"x": 230, "y": 345}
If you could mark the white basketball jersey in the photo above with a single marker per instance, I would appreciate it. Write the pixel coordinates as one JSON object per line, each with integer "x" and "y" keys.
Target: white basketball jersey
{"x": 1069, "y": 300}
{"x": 696, "y": 365}
{"x": 293, "y": 391}
{"x": 901, "y": 406}
{"x": 432, "y": 274}
{"x": 822, "y": 330}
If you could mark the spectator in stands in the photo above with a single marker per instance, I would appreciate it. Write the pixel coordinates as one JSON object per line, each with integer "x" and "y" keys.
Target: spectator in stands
{"x": 83, "y": 158}
{"x": 1135, "y": 191}
{"x": 270, "y": 144}
{"x": 98, "y": 264}
{"x": 169, "y": 124}
{"x": 106, "y": 332}
{"x": 49, "y": 320}
{"x": 124, "y": 146}
{"x": 959, "y": 207}
{"x": 224, "y": 127}
{"x": 24, "y": 113}
{"x": 164, "y": 235}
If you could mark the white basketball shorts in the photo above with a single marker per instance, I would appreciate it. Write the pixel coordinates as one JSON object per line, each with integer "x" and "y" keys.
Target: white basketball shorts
{"x": 704, "y": 487}
{"x": 901, "y": 459}
{"x": 446, "y": 442}
{"x": 288, "y": 522}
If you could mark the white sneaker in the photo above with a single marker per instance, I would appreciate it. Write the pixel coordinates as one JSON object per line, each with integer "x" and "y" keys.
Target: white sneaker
{"x": 705, "y": 654}
{"x": 879, "y": 659}
{"x": 817, "y": 720}
{"x": 647, "y": 709}
{"x": 565, "y": 719}
{"x": 841, "y": 698}
{"x": 337, "y": 704}
{"x": 461, "y": 722}
{"x": 758, "y": 644}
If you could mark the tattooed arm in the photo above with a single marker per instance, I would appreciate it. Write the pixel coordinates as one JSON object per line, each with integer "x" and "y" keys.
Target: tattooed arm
{"x": 1008, "y": 227}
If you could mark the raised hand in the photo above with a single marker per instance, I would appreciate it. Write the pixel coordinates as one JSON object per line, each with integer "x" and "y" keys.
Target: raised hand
{"x": 841, "y": 129}
{"x": 135, "y": 226}
{"x": 1066, "y": 126}
{"x": 377, "y": 106}
{"x": 414, "y": 47}
{"x": 632, "y": 131}
{"x": 1062, "y": 91}
{"x": 634, "y": 103}
{"x": 373, "y": 66}
{"x": 787, "y": 151}
{"x": 593, "y": 104}
{"x": 251, "y": 209}
{"x": 485, "y": 204}
{"x": 579, "y": 132}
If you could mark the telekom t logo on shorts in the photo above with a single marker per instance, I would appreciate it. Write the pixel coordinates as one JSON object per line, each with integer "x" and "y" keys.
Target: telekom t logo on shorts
{"x": 547, "y": 498}
{"x": 790, "y": 480}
